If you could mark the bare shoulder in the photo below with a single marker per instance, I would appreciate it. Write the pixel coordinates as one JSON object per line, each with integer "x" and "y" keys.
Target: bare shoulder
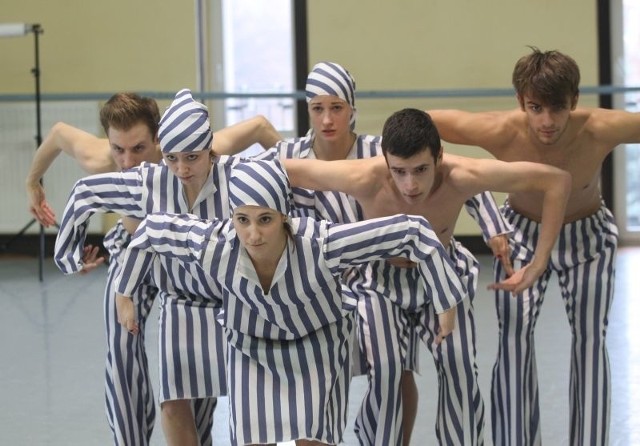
{"x": 609, "y": 127}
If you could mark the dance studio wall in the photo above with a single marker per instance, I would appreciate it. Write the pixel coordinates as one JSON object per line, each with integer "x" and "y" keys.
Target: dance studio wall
{"x": 447, "y": 45}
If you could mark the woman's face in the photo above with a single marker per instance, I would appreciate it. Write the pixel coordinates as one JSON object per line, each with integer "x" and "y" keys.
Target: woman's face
{"x": 261, "y": 231}
{"x": 330, "y": 117}
{"x": 191, "y": 167}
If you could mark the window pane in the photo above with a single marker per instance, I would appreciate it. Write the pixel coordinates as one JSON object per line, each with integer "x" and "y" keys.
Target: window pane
{"x": 258, "y": 58}
{"x": 631, "y": 19}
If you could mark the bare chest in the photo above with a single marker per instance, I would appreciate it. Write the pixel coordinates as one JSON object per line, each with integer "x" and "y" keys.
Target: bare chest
{"x": 440, "y": 209}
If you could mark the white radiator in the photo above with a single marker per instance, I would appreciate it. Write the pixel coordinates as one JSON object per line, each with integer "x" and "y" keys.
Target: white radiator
{"x": 17, "y": 147}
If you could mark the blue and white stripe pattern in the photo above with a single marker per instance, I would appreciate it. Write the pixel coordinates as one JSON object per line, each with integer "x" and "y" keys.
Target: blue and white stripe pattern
{"x": 260, "y": 183}
{"x": 185, "y": 125}
{"x": 129, "y": 401}
{"x": 484, "y": 210}
{"x": 305, "y": 300}
{"x": 331, "y": 79}
{"x": 188, "y": 369}
{"x": 584, "y": 260}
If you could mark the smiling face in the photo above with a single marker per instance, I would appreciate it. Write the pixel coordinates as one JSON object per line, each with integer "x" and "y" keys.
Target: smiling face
{"x": 261, "y": 231}
{"x": 415, "y": 176}
{"x": 547, "y": 123}
{"x": 131, "y": 147}
{"x": 191, "y": 167}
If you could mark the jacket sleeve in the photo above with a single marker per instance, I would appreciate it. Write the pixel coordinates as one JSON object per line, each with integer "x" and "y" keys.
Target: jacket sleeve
{"x": 410, "y": 237}
{"x": 119, "y": 192}
{"x": 484, "y": 210}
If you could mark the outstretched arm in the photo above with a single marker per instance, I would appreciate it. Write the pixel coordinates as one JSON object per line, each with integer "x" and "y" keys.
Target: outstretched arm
{"x": 91, "y": 153}
{"x": 119, "y": 192}
{"x": 488, "y": 130}
{"x": 513, "y": 177}
{"x": 406, "y": 236}
{"x": 353, "y": 177}
{"x": 238, "y": 137}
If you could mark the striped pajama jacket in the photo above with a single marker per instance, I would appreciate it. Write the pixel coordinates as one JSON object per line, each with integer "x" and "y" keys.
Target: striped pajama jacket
{"x": 188, "y": 370}
{"x": 584, "y": 260}
{"x": 289, "y": 349}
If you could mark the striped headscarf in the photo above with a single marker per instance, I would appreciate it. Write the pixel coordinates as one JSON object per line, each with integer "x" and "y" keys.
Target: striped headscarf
{"x": 260, "y": 183}
{"x": 331, "y": 79}
{"x": 185, "y": 125}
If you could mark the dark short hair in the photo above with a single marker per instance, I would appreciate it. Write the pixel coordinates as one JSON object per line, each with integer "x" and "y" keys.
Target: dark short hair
{"x": 408, "y": 132}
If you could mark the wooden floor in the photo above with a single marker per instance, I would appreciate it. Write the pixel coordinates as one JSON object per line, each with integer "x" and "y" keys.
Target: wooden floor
{"x": 52, "y": 356}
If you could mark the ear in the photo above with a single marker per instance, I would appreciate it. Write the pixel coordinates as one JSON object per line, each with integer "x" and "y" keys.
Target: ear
{"x": 520, "y": 100}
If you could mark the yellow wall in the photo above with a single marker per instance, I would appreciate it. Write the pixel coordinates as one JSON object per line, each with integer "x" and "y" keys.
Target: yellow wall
{"x": 101, "y": 46}
{"x": 91, "y": 46}
{"x": 446, "y": 44}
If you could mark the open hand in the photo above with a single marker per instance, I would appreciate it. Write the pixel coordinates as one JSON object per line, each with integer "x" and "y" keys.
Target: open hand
{"x": 39, "y": 207}
{"x": 91, "y": 259}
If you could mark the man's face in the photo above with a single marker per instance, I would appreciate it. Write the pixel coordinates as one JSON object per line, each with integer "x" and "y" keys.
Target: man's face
{"x": 131, "y": 147}
{"x": 330, "y": 117}
{"x": 547, "y": 123}
{"x": 414, "y": 177}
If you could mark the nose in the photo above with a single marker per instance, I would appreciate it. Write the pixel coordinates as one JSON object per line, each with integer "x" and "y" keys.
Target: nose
{"x": 128, "y": 161}
{"x": 326, "y": 117}
{"x": 547, "y": 118}
{"x": 182, "y": 167}
{"x": 410, "y": 185}
{"x": 253, "y": 235}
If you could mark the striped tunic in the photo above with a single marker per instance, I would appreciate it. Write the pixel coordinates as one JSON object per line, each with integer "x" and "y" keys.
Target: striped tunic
{"x": 188, "y": 369}
{"x": 300, "y": 330}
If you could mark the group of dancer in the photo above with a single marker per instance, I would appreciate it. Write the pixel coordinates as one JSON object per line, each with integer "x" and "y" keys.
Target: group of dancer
{"x": 281, "y": 276}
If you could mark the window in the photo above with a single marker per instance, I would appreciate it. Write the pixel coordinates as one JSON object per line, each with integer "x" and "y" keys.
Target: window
{"x": 256, "y": 55}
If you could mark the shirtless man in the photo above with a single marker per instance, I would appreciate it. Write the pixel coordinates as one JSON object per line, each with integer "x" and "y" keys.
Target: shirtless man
{"x": 415, "y": 177}
{"x": 131, "y": 124}
{"x": 550, "y": 129}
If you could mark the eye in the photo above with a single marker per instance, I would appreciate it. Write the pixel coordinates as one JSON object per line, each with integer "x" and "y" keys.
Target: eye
{"x": 193, "y": 157}
{"x": 266, "y": 219}
{"x": 171, "y": 158}
{"x": 422, "y": 169}
{"x": 241, "y": 219}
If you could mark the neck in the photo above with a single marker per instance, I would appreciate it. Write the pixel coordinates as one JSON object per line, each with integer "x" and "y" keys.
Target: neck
{"x": 334, "y": 150}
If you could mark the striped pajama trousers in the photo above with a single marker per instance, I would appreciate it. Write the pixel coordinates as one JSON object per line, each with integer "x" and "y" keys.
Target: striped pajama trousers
{"x": 390, "y": 334}
{"x": 584, "y": 260}
{"x": 130, "y": 404}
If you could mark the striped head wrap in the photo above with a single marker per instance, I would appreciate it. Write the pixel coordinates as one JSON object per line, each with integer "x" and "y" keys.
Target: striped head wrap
{"x": 331, "y": 79}
{"x": 260, "y": 183}
{"x": 185, "y": 126}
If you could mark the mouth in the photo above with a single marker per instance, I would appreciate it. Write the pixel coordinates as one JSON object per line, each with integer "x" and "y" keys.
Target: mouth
{"x": 547, "y": 133}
